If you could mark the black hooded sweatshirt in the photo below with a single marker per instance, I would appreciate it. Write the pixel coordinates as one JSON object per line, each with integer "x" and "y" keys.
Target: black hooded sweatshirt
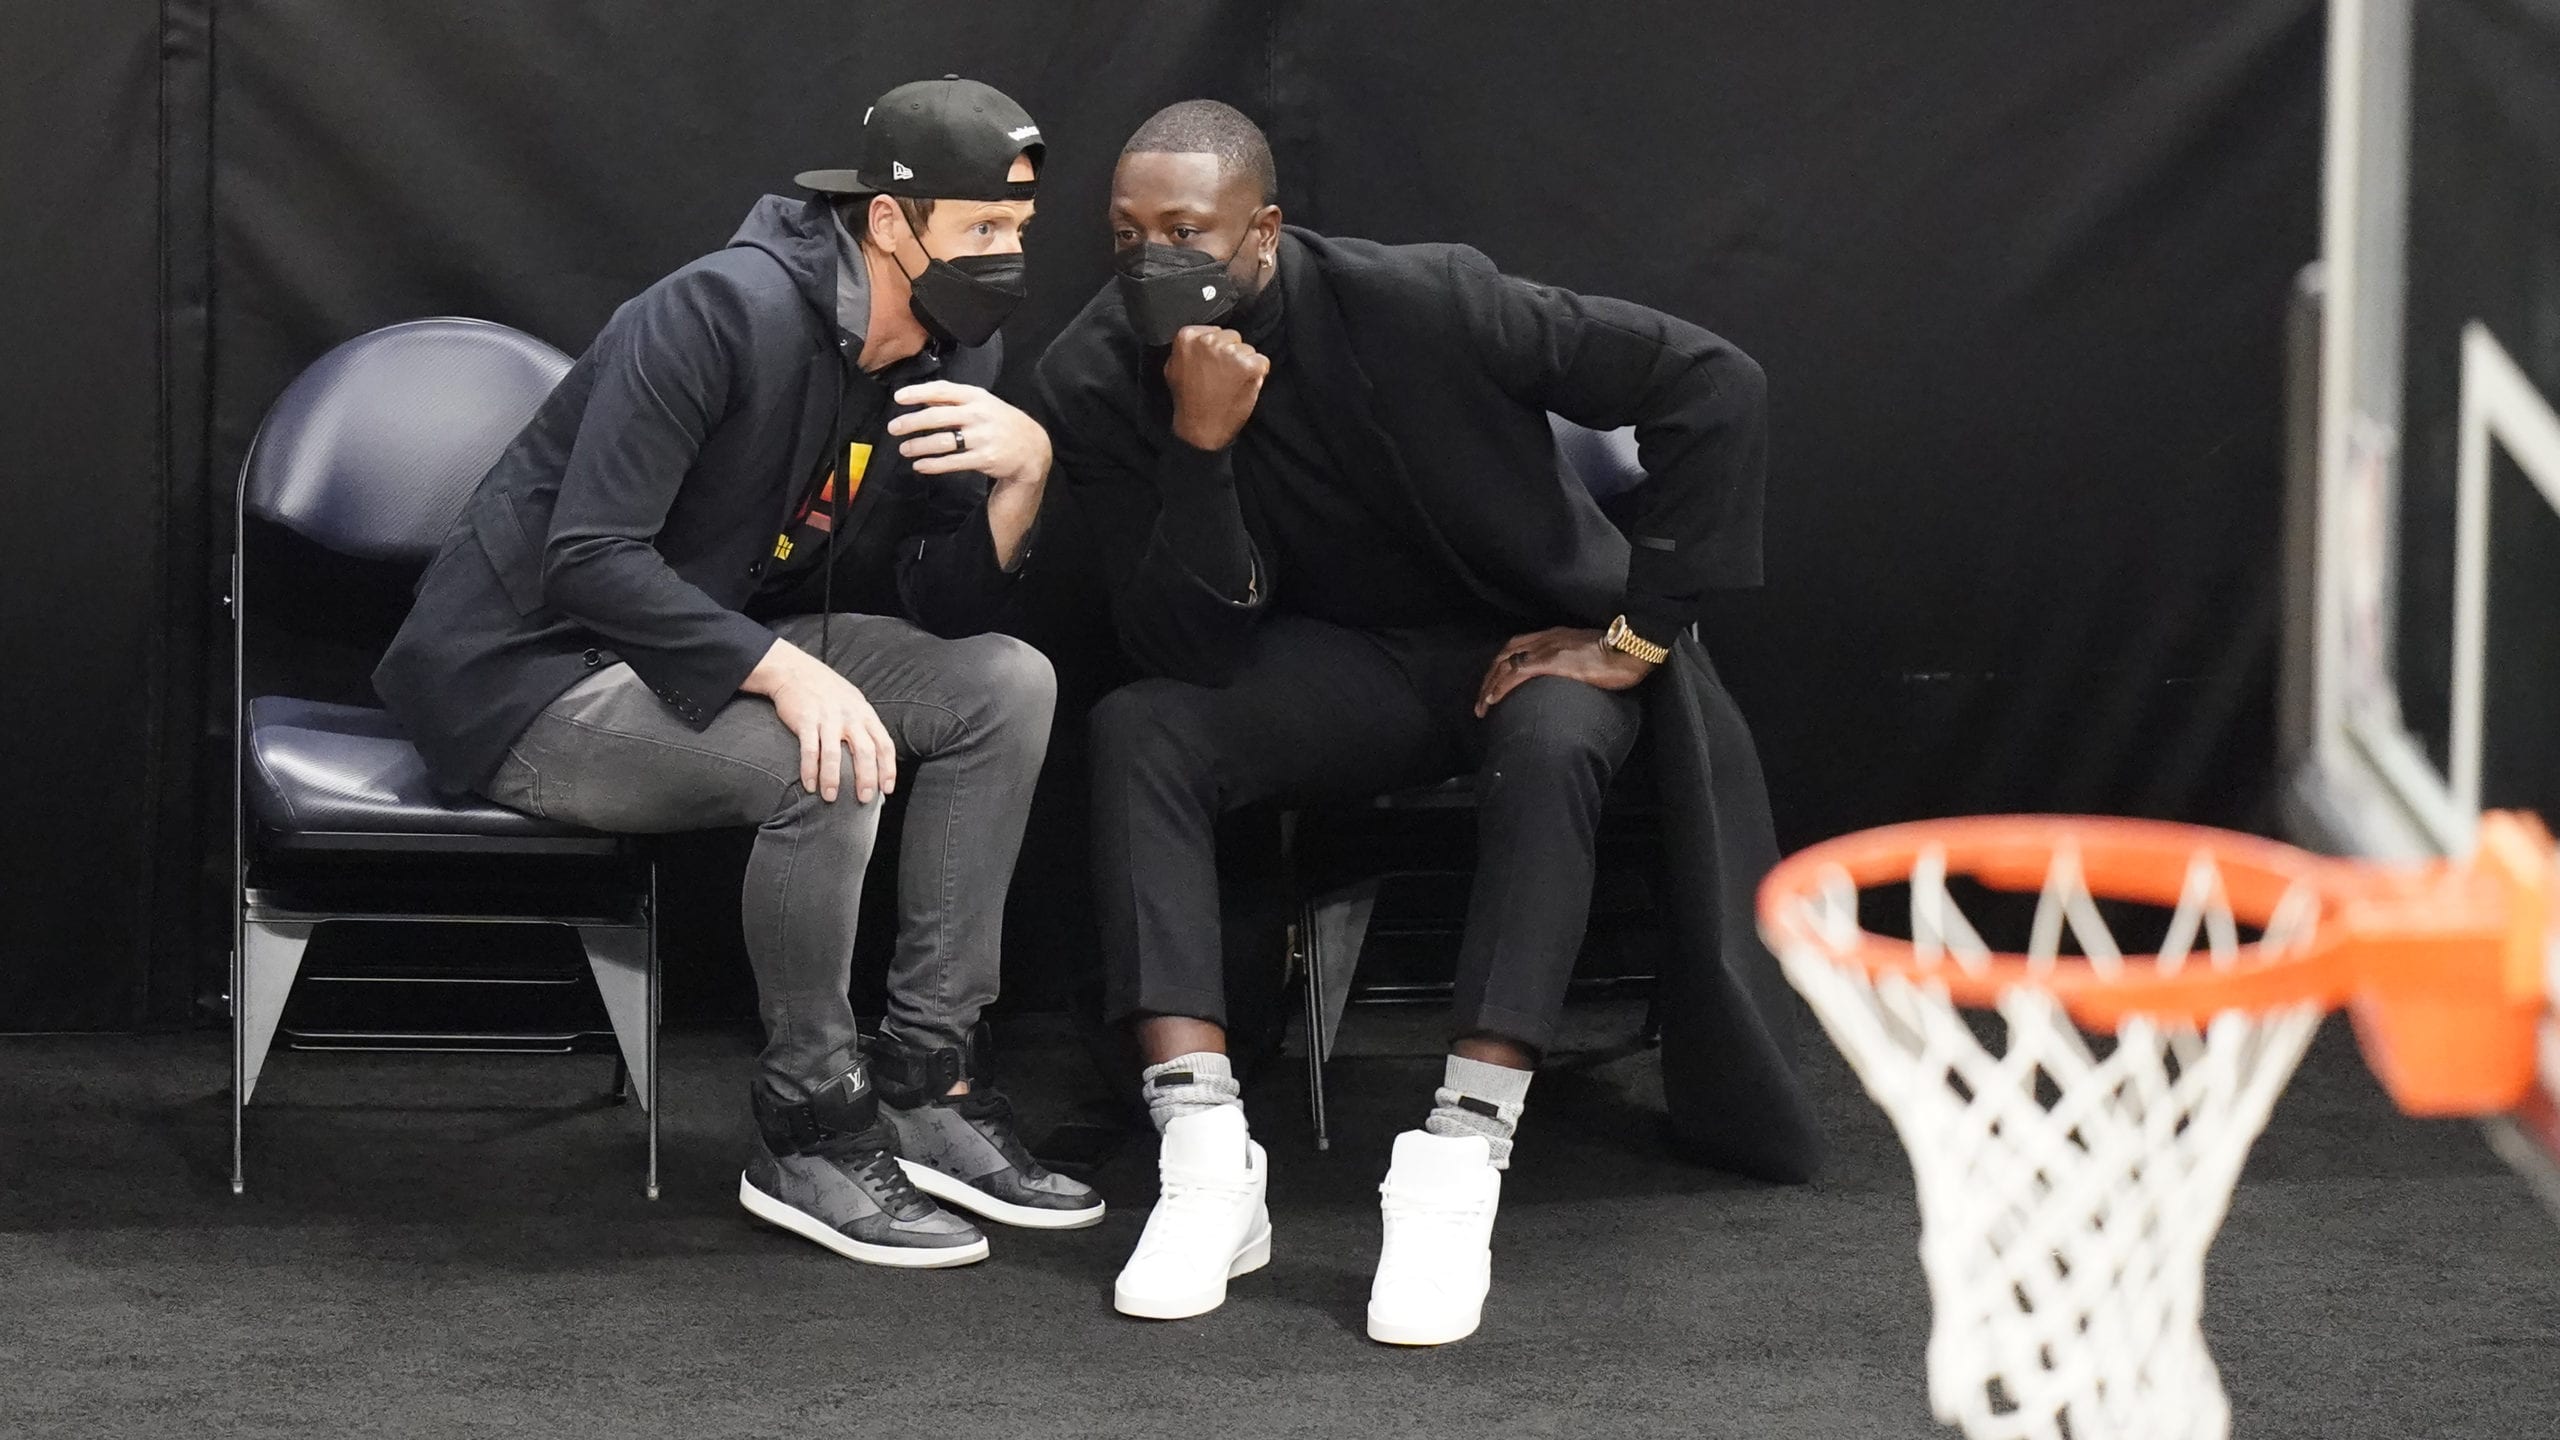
{"x": 636, "y": 515}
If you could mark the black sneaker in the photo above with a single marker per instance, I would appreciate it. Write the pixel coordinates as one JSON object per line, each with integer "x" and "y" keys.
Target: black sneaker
{"x": 964, "y": 1149}
{"x": 827, "y": 1170}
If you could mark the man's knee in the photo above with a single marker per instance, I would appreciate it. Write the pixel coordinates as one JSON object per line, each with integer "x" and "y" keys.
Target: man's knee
{"x": 810, "y": 811}
{"x": 1552, "y": 726}
{"x": 1010, "y": 683}
{"x": 1145, "y": 721}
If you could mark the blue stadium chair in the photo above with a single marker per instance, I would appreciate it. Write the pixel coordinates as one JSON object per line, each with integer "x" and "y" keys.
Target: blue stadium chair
{"x": 369, "y": 455}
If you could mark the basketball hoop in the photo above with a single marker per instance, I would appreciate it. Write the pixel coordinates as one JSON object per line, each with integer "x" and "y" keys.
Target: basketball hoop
{"x": 2069, "y": 1189}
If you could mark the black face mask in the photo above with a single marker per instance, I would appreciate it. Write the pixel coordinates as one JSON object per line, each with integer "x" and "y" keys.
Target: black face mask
{"x": 1167, "y": 287}
{"x": 966, "y": 301}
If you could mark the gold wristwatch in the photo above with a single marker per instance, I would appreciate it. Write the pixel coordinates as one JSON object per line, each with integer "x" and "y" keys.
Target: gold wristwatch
{"x": 1619, "y": 637}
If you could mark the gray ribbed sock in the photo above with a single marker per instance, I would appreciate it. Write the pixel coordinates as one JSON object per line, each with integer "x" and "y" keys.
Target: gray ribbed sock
{"x": 1187, "y": 1085}
{"x": 1479, "y": 1099}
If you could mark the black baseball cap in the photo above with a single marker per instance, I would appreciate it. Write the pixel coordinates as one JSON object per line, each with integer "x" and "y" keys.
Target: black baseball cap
{"x": 946, "y": 139}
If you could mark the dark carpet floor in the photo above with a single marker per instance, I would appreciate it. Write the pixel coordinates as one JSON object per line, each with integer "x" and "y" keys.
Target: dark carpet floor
{"x": 455, "y": 1246}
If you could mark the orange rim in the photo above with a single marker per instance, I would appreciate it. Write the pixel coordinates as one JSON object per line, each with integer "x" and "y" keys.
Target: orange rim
{"x": 2442, "y": 964}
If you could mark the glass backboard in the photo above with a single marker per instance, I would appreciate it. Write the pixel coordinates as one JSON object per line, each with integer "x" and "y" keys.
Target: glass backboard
{"x": 2432, "y": 678}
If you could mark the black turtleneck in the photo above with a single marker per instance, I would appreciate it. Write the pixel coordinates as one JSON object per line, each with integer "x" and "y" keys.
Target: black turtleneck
{"x": 1334, "y": 546}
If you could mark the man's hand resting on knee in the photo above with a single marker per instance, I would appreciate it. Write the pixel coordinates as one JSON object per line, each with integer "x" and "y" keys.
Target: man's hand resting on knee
{"x": 830, "y": 717}
{"x": 1572, "y": 653}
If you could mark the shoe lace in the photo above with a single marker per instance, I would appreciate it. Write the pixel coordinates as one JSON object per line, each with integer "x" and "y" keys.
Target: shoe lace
{"x": 870, "y": 1158}
{"x": 992, "y": 1114}
{"x": 1437, "y": 1207}
{"x": 880, "y": 1170}
{"x": 1185, "y": 1189}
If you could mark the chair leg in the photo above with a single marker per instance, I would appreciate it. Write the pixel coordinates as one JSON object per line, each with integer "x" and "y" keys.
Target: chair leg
{"x": 657, "y": 992}
{"x": 239, "y": 1053}
{"x": 1311, "y": 989}
{"x": 619, "y": 956}
{"x": 264, "y": 961}
{"x": 270, "y": 958}
{"x": 1339, "y": 925}
{"x": 625, "y": 961}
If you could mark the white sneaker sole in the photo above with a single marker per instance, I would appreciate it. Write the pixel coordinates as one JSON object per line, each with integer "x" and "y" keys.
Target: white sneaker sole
{"x": 1456, "y": 1327}
{"x": 954, "y": 1191}
{"x": 809, "y": 1227}
{"x": 1255, "y": 1254}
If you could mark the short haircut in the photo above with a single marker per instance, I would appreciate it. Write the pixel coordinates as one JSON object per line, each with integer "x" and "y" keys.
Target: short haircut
{"x": 1206, "y": 127}
{"x": 854, "y": 213}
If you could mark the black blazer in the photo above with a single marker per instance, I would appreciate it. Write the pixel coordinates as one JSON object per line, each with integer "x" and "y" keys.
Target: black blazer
{"x": 1439, "y": 371}
{"x": 635, "y": 516}
{"x": 1436, "y": 372}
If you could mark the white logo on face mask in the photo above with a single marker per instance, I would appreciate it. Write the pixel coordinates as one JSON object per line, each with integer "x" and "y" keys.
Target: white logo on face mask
{"x": 866, "y": 113}
{"x": 898, "y": 171}
{"x": 1027, "y": 132}
{"x": 1208, "y": 292}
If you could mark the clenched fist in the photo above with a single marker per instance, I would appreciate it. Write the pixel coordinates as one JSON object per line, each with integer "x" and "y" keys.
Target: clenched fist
{"x": 1215, "y": 378}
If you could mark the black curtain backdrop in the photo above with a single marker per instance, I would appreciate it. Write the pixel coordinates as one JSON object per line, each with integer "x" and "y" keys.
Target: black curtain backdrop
{"x": 2017, "y": 272}
{"x": 86, "y": 476}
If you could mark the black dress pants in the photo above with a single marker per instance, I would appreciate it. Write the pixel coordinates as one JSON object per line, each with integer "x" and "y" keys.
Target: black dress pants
{"x": 1319, "y": 713}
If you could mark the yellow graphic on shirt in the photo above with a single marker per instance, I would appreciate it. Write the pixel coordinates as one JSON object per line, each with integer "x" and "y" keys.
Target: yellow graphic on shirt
{"x": 857, "y": 463}
{"x": 827, "y": 504}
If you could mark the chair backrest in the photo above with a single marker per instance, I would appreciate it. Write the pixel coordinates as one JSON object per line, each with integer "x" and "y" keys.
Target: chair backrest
{"x": 1603, "y": 460}
{"x": 373, "y": 450}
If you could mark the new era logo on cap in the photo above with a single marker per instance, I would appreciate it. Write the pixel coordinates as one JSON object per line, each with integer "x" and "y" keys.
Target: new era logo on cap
{"x": 1026, "y": 132}
{"x": 899, "y": 171}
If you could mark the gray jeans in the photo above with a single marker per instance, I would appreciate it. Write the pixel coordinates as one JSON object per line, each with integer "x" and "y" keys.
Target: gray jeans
{"x": 971, "y": 720}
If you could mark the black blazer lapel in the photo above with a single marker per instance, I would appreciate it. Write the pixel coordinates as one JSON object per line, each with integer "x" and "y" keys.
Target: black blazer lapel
{"x": 1321, "y": 347}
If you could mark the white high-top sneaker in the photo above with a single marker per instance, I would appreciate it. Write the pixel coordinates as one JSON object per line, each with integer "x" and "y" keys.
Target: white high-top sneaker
{"x": 1209, "y": 1225}
{"x": 1437, "y": 1262}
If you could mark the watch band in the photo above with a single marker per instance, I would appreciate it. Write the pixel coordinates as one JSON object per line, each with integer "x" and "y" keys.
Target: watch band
{"x": 1625, "y": 640}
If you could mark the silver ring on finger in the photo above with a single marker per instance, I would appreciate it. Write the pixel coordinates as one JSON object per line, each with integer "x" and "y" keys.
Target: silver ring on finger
{"x": 959, "y": 440}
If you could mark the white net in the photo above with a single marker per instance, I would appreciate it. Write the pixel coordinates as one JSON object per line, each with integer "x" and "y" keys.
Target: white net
{"x": 2068, "y": 1188}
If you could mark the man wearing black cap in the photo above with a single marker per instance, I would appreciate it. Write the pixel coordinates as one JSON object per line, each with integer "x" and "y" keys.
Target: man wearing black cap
{"x": 704, "y": 588}
{"x": 1342, "y": 548}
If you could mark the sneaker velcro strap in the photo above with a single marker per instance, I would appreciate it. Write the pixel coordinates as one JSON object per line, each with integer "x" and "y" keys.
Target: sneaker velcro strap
{"x": 943, "y": 1069}
{"x": 1177, "y": 1180}
{"x": 1405, "y": 1205}
{"x": 917, "y": 1076}
{"x": 801, "y": 1124}
{"x": 842, "y": 1106}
